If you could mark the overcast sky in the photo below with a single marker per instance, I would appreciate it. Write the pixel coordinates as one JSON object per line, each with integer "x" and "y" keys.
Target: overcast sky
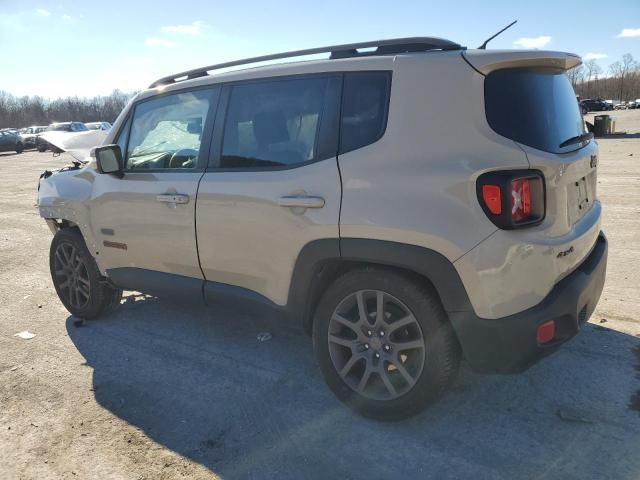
{"x": 87, "y": 48}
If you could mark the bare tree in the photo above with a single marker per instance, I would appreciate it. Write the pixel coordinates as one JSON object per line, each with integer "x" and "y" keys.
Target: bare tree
{"x": 576, "y": 75}
{"x": 592, "y": 69}
{"x": 622, "y": 71}
{"x": 25, "y": 111}
{"x": 622, "y": 83}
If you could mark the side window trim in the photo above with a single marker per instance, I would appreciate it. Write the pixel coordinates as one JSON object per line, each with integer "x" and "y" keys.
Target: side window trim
{"x": 215, "y": 148}
{"x": 125, "y": 128}
{"x": 205, "y": 143}
{"x": 335, "y": 80}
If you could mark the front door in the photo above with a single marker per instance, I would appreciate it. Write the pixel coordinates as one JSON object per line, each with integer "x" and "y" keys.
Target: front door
{"x": 273, "y": 185}
{"x": 144, "y": 223}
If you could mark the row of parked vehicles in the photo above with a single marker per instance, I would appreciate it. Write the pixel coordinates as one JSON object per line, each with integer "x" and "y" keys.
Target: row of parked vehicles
{"x": 20, "y": 139}
{"x": 628, "y": 105}
{"x": 599, "y": 105}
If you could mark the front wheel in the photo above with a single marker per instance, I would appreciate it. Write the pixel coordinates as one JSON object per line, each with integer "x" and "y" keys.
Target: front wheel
{"x": 77, "y": 279}
{"x": 19, "y": 148}
{"x": 384, "y": 343}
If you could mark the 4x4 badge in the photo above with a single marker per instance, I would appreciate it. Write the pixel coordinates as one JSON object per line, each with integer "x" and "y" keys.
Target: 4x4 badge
{"x": 565, "y": 252}
{"x": 594, "y": 161}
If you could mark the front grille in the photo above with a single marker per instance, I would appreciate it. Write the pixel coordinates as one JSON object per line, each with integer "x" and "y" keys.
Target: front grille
{"x": 582, "y": 316}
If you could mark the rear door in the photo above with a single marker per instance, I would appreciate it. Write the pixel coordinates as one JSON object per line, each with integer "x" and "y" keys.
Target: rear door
{"x": 273, "y": 183}
{"x": 145, "y": 221}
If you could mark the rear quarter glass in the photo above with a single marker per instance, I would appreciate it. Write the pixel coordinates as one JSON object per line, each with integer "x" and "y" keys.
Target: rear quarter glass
{"x": 534, "y": 107}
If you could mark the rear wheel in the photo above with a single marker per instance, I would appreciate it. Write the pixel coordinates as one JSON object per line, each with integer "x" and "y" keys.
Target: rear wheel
{"x": 77, "y": 279}
{"x": 41, "y": 148}
{"x": 384, "y": 344}
{"x": 19, "y": 147}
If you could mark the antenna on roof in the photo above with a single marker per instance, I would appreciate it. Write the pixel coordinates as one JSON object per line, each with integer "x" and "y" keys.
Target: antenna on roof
{"x": 484, "y": 45}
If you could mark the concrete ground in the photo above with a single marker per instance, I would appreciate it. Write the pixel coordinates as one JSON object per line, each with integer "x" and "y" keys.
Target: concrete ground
{"x": 158, "y": 391}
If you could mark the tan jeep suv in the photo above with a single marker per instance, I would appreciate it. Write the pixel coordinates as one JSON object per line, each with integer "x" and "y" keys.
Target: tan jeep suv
{"x": 409, "y": 202}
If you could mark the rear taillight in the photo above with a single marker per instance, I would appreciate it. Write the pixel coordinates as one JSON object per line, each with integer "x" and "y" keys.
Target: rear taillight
{"x": 513, "y": 198}
{"x": 520, "y": 199}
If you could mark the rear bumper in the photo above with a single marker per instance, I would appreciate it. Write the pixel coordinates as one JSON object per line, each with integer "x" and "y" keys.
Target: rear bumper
{"x": 509, "y": 345}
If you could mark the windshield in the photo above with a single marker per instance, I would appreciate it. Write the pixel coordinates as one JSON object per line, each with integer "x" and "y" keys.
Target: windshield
{"x": 535, "y": 107}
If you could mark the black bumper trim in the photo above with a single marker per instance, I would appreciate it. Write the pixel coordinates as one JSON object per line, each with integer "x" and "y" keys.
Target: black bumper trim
{"x": 509, "y": 345}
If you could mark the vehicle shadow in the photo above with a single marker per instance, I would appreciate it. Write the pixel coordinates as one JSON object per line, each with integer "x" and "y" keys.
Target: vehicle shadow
{"x": 199, "y": 382}
{"x": 621, "y": 135}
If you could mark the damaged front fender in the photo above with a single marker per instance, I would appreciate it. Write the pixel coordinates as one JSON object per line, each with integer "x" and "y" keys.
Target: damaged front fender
{"x": 63, "y": 197}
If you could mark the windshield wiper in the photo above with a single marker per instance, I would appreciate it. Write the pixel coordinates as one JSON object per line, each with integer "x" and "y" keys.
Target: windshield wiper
{"x": 577, "y": 139}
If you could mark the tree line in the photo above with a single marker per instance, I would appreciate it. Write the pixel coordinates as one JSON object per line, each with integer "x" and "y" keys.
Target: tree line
{"x": 24, "y": 111}
{"x": 622, "y": 81}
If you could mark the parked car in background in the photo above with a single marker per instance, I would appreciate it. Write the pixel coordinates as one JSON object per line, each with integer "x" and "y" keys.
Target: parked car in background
{"x": 583, "y": 109}
{"x": 43, "y": 145}
{"x": 29, "y": 135}
{"x": 632, "y": 105}
{"x": 620, "y": 106}
{"x": 10, "y": 142}
{"x": 592, "y": 105}
{"x": 98, "y": 125}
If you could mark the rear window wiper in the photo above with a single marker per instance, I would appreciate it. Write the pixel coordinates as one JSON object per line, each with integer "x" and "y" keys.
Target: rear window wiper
{"x": 577, "y": 139}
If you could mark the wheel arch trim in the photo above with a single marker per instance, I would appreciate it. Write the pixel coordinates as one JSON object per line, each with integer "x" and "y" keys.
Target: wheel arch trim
{"x": 330, "y": 255}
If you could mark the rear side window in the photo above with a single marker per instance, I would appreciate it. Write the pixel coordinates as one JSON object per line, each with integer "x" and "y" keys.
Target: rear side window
{"x": 275, "y": 123}
{"x": 535, "y": 107}
{"x": 365, "y": 104}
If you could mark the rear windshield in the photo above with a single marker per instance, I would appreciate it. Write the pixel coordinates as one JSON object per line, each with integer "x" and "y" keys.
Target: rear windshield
{"x": 535, "y": 107}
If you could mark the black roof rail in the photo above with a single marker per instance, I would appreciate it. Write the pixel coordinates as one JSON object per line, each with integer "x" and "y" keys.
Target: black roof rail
{"x": 382, "y": 47}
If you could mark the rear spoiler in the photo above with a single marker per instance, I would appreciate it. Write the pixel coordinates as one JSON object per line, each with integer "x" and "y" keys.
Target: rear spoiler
{"x": 486, "y": 61}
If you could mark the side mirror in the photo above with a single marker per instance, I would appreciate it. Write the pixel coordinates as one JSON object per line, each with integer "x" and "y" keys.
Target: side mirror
{"x": 109, "y": 160}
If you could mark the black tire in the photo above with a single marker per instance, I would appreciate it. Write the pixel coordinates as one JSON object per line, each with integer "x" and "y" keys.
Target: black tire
{"x": 42, "y": 148}
{"x": 99, "y": 298}
{"x": 442, "y": 351}
{"x": 19, "y": 147}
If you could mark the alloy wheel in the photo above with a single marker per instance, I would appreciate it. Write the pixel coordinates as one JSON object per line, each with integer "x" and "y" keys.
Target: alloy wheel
{"x": 376, "y": 344}
{"x": 72, "y": 276}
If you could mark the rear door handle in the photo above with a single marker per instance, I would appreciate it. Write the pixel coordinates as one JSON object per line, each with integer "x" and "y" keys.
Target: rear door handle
{"x": 173, "y": 198}
{"x": 301, "y": 201}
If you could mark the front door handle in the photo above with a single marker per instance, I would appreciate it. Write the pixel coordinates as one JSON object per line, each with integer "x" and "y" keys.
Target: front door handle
{"x": 173, "y": 198}
{"x": 301, "y": 201}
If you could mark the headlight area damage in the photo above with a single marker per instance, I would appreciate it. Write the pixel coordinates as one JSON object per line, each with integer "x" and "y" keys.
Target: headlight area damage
{"x": 62, "y": 196}
{"x": 62, "y": 193}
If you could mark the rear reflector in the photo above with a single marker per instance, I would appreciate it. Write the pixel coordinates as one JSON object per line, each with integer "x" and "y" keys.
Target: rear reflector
{"x": 492, "y": 198}
{"x": 546, "y": 332}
